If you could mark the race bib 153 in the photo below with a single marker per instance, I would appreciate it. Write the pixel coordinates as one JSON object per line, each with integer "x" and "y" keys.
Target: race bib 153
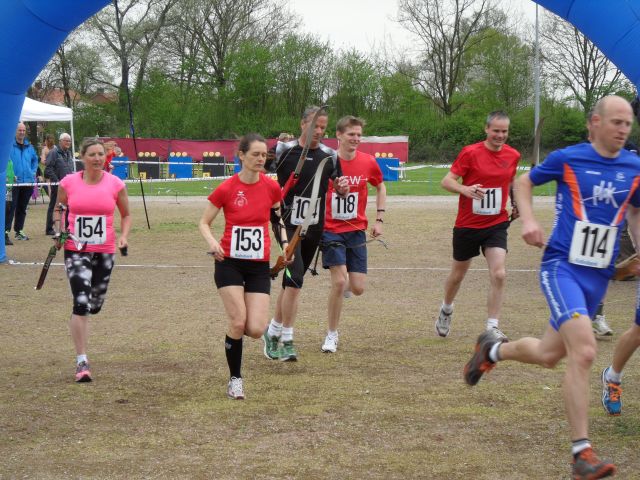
{"x": 247, "y": 243}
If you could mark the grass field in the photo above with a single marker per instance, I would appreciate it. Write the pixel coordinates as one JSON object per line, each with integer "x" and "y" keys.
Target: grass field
{"x": 423, "y": 181}
{"x": 390, "y": 404}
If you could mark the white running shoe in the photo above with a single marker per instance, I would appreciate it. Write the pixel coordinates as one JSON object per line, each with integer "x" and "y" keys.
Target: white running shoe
{"x": 347, "y": 293}
{"x": 501, "y": 336}
{"x": 330, "y": 344}
{"x": 600, "y": 326}
{"x": 443, "y": 323}
{"x": 235, "y": 390}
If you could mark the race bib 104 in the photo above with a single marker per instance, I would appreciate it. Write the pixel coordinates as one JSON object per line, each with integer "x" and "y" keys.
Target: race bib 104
{"x": 300, "y": 208}
{"x": 247, "y": 243}
{"x": 344, "y": 208}
{"x": 491, "y": 204}
{"x": 91, "y": 230}
{"x": 592, "y": 244}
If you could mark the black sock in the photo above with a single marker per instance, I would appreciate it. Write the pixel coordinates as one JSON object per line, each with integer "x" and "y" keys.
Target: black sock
{"x": 233, "y": 349}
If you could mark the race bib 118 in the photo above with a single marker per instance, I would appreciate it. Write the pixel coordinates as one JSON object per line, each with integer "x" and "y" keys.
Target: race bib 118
{"x": 344, "y": 208}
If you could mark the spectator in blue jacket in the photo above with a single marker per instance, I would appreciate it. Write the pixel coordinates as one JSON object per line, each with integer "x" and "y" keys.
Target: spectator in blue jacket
{"x": 25, "y": 164}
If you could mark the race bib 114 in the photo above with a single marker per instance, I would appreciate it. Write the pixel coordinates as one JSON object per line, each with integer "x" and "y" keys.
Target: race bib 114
{"x": 592, "y": 244}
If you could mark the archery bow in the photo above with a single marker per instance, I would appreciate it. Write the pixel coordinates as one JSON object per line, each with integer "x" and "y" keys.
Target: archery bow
{"x": 60, "y": 239}
{"x": 301, "y": 230}
{"x": 293, "y": 177}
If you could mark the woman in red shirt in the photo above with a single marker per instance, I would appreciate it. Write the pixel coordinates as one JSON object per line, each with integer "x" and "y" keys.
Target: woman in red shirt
{"x": 249, "y": 200}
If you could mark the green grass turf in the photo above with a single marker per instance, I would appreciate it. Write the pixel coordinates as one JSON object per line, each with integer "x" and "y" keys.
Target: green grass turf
{"x": 422, "y": 182}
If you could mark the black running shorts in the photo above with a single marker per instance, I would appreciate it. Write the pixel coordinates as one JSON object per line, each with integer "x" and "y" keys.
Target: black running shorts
{"x": 252, "y": 275}
{"x": 468, "y": 242}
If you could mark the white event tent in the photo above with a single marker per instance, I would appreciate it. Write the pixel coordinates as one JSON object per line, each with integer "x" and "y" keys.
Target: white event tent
{"x": 34, "y": 111}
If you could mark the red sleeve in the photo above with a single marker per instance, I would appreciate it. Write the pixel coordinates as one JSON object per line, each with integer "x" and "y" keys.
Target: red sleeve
{"x": 219, "y": 195}
{"x": 375, "y": 176}
{"x": 276, "y": 192}
{"x": 118, "y": 184}
{"x": 461, "y": 164}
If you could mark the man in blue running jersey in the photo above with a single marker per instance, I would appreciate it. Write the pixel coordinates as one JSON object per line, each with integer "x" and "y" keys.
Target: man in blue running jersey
{"x": 597, "y": 185}
{"x": 630, "y": 340}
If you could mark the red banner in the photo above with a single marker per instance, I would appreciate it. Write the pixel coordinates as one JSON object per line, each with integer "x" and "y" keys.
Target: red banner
{"x": 386, "y": 147}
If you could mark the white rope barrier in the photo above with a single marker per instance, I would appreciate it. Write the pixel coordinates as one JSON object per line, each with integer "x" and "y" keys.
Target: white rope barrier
{"x": 162, "y": 162}
{"x": 133, "y": 180}
{"x": 437, "y": 165}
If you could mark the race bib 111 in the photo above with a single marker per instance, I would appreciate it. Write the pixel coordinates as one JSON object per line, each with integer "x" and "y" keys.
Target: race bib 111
{"x": 491, "y": 204}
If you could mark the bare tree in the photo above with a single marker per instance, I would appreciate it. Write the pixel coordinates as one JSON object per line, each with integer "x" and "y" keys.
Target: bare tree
{"x": 130, "y": 32}
{"x": 446, "y": 31}
{"x": 75, "y": 68}
{"x": 575, "y": 65}
{"x": 217, "y": 28}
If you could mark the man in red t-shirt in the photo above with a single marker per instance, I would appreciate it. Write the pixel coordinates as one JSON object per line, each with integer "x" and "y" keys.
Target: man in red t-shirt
{"x": 487, "y": 170}
{"x": 343, "y": 243}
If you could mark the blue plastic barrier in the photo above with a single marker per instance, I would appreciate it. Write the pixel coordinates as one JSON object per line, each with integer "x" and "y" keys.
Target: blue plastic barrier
{"x": 181, "y": 171}
{"x": 120, "y": 170}
{"x": 387, "y": 174}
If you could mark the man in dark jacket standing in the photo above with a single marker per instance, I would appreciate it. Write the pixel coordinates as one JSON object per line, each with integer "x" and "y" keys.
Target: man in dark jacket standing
{"x": 58, "y": 165}
{"x": 25, "y": 164}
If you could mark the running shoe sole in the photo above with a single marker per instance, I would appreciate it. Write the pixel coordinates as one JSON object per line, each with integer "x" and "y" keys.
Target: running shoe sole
{"x": 479, "y": 363}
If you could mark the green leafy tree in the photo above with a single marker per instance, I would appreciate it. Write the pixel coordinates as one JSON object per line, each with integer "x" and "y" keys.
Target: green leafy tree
{"x": 501, "y": 73}
{"x": 356, "y": 84}
{"x": 303, "y": 67}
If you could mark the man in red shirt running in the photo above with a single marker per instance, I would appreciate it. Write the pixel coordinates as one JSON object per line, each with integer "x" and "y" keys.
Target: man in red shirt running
{"x": 343, "y": 243}
{"x": 487, "y": 170}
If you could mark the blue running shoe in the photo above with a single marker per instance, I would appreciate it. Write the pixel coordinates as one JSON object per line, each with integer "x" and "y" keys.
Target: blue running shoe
{"x": 611, "y": 393}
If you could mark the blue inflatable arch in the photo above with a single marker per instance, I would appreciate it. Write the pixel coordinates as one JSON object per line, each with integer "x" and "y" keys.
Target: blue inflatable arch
{"x": 31, "y": 32}
{"x": 612, "y": 25}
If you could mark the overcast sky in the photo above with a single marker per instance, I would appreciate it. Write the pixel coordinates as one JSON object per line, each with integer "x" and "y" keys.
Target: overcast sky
{"x": 366, "y": 24}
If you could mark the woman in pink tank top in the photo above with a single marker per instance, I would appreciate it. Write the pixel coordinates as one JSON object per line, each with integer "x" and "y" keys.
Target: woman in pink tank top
{"x": 90, "y": 198}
